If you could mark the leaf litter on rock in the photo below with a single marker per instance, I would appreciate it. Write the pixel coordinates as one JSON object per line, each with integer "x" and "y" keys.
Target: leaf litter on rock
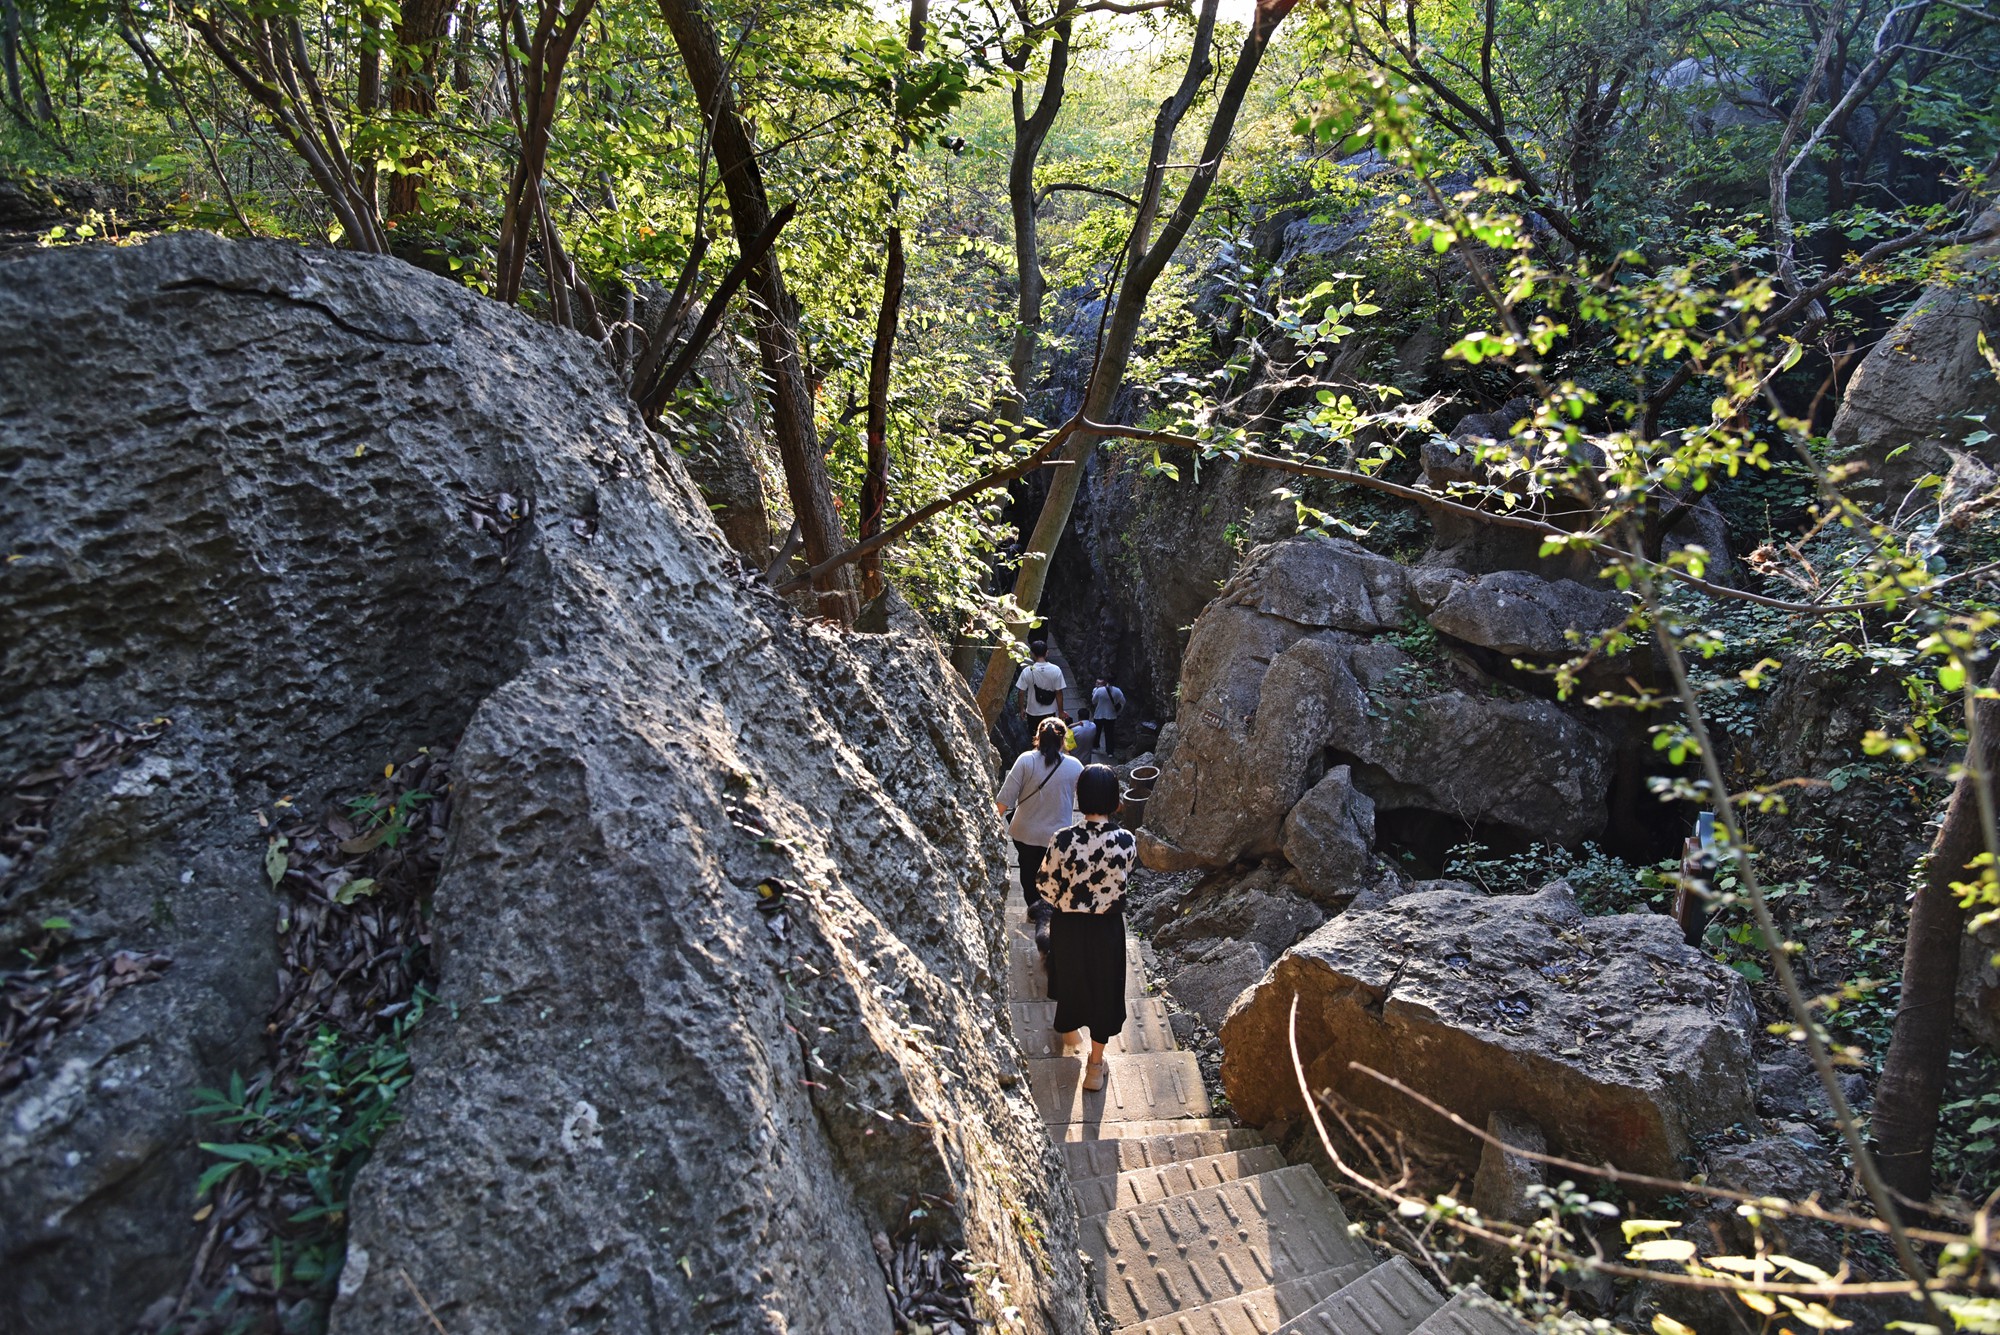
{"x": 354, "y": 946}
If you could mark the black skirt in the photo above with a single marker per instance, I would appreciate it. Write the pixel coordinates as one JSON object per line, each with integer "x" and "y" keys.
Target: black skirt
{"x": 1087, "y": 972}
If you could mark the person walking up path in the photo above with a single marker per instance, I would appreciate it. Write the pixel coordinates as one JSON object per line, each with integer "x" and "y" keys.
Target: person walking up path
{"x": 1107, "y": 703}
{"x": 1041, "y": 686}
{"x": 1037, "y": 799}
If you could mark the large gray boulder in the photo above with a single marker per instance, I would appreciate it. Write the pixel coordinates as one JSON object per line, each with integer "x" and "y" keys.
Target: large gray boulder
{"x": 1253, "y": 760}
{"x": 250, "y": 490}
{"x": 1512, "y": 612}
{"x": 1330, "y": 834}
{"x": 1222, "y": 939}
{"x": 1286, "y": 677}
{"x": 1917, "y": 385}
{"x": 1622, "y": 1043}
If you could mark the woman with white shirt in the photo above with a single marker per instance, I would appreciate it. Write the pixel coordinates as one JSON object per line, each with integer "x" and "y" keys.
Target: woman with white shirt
{"x": 1039, "y": 791}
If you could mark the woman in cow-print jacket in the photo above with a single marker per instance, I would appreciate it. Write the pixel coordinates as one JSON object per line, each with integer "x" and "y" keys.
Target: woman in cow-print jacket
{"x": 1083, "y": 876}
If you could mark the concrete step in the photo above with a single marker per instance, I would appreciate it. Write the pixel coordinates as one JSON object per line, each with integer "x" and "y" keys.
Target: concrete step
{"x": 1391, "y": 1299}
{"x": 1147, "y": 1028}
{"x": 1089, "y": 1133}
{"x": 1471, "y": 1312}
{"x": 1221, "y": 1243}
{"x": 1258, "y": 1312}
{"x": 1142, "y": 1186}
{"x": 1110, "y": 1157}
{"x": 1140, "y": 1087}
{"x": 1027, "y": 980}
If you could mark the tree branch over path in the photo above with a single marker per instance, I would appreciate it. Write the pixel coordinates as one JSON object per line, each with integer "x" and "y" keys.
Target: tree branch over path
{"x": 1042, "y": 195}
{"x": 1146, "y": 258}
{"x": 1432, "y": 500}
{"x": 998, "y": 477}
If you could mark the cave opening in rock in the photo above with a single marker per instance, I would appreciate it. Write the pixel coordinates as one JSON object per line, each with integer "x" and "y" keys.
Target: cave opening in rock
{"x": 1639, "y": 829}
{"x": 1423, "y": 842}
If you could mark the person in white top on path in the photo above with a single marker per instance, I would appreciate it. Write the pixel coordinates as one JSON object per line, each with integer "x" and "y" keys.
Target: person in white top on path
{"x": 1107, "y": 702}
{"x": 1036, "y": 796}
{"x": 1041, "y": 685}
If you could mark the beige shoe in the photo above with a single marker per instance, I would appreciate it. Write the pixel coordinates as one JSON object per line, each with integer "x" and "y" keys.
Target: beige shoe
{"x": 1068, "y": 1047}
{"x": 1093, "y": 1076}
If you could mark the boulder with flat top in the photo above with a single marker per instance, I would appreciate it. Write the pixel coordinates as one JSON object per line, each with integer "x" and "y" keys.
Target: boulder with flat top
{"x": 1619, "y": 1041}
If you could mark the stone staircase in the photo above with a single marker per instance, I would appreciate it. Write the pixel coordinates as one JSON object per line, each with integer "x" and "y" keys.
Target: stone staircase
{"x": 1194, "y": 1226}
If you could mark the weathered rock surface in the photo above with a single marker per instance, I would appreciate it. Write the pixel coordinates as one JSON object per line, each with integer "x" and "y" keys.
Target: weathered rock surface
{"x": 1500, "y": 1188}
{"x": 1918, "y": 383}
{"x": 241, "y": 482}
{"x": 1772, "y": 1166}
{"x": 1514, "y": 613}
{"x": 1284, "y": 680}
{"x": 1979, "y": 986}
{"x": 1787, "y": 1086}
{"x": 1619, "y": 1040}
{"x": 1223, "y": 938}
{"x": 1330, "y": 833}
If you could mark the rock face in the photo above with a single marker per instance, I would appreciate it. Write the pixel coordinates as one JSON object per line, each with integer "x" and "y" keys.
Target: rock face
{"x": 1979, "y": 986}
{"x": 1500, "y": 1188}
{"x": 1287, "y": 677}
{"x": 1521, "y": 615}
{"x": 1618, "y": 1040}
{"x": 242, "y": 487}
{"x": 1926, "y": 374}
{"x": 1223, "y": 940}
{"x": 1330, "y": 832}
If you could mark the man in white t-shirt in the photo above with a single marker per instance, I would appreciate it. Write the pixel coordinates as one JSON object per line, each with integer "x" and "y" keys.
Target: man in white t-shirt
{"x": 1041, "y": 685}
{"x": 1107, "y": 702}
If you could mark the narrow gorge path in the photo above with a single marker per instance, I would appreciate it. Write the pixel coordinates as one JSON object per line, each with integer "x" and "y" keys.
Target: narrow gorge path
{"x": 1194, "y": 1226}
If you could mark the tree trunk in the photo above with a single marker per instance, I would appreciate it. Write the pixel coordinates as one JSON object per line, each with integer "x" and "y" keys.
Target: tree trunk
{"x": 1031, "y": 131}
{"x": 547, "y": 54}
{"x": 1146, "y": 261}
{"x": 1905, "y": 1118}
{"x": 413, "y": 82}
{"x": 368, "y": 91}
{"x": 463, "y": 29}
{"x": 777, "y": 317}
{"x": 875, "y": 484}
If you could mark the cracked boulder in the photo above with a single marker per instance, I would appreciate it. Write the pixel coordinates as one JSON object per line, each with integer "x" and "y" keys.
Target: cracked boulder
{"x": 1330, "y": 834}
{"x": 1520, "y": 615}
{"x": 1288, "y": 676}
{"x": 251, "y": 489}
{"x": 1224, "y": 936}
{"x": 1911, "y": 400}
{"x": 1622, "y": 1043}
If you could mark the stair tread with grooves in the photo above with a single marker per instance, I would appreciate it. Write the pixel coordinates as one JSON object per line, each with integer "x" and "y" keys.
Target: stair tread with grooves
{"x": 1147, "y": 1028}
{"x": 1471, "y": 1312}
{"x": 1141, "y": 1086}
{"x": 1109, "y": 1158}
{"x": 1219, "y": 1243}
{"x": 1258, "y": 1312}
{"x": 1090, "y": 1133}
{"x": 1391, "y": 1299}
{"x": 1142, "y": 1186}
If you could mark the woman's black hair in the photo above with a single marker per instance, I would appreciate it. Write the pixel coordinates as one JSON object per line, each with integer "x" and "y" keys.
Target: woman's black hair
{"x": 1050, "y": 735}
{"x": 1097, "y": 791}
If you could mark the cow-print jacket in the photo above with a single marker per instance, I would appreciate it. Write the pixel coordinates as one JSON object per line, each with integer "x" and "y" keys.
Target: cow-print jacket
{"x": 1086, "y": 866}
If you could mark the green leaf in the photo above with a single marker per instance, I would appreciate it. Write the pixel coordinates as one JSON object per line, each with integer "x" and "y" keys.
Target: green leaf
{"x": 275, "y": 861}
{"x": 359, "y": 888}
{"x": 1750, "y": 969}
{"x": 1952, "y": 677}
